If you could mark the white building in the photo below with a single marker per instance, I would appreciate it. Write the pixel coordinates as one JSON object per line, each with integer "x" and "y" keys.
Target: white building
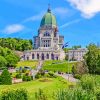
{"x": 48, "y": 43}
{"x": 77, "y": 54}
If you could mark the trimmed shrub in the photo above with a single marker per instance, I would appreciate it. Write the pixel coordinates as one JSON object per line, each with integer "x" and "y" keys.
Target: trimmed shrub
{"x": 38, "y": 75}
{"x": 18, "y": 75}
{"x": 19, "y": 94}
{"x": 6, "y": 77}
{"x": 26, "y": 78}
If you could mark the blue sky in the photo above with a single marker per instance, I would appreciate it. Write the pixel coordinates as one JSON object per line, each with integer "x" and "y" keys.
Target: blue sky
{"x": 78, "y": 20}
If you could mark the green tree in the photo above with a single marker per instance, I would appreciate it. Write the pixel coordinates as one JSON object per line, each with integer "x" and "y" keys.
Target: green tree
{"x": 6, "y": 77}
{"x": 92, "y": 58}
{"x": 12, "y": 60}
{"x": 76, "y": 47}
{"x": 3, "y": 62}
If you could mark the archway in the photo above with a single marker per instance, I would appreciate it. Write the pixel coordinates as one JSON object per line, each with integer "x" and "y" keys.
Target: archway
{"x": 52, "y": 56}
{"x": 32, "y": 56}
{"x": 37, "y": 56}
{"x": 47, "y": 56}
{"x": 42, "y": 56}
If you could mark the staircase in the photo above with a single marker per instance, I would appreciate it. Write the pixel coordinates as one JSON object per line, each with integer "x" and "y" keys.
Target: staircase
{"x": 35, "y": 71}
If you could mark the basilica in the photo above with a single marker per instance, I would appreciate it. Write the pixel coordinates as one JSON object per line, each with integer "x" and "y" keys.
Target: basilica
{"x": 48, "y": 43}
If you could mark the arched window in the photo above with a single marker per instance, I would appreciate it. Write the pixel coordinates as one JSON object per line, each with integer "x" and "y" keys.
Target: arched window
{"x": 32, "y": 56}
{"x": 52, "y": 56}
{"x": 37, "y": 56}
{"x": 46, "y": 34}
{"x": 42, "y": 56}
{"x": 47, "y": 56}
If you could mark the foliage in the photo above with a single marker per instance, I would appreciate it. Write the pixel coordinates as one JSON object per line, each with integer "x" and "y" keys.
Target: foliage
{"x": 76, "y": 47}
{"x": 6, "y": 77}
{"x": 16, "y": 44}
{"x": 40, "y": 95}
{"x": 26, "y": 78}
{"x": 51, "y": 74}
{"x": 0, "y": 79}
{"x": 74, "y": 94}
{"x": 10, "y": 57}
{"x": 79, "y": 69}
{"x": 77, "y": 76}
{"x": 88, "y": 82}
{"x": 18, "y": 75}
{"x": 12, "y": 60}
{"x": 19, "y": 94}
{"x": 66, "y": 49}
{"x": 3, "y": 62}
{"x": 92, "y": 59}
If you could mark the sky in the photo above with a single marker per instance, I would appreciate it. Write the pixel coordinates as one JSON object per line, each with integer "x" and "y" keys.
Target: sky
{"x": 77, "y": 20}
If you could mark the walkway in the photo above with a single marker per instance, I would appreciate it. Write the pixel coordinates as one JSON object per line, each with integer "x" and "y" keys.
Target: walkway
{"x": 35, "y": 71}
{"x": 68, "y": 77}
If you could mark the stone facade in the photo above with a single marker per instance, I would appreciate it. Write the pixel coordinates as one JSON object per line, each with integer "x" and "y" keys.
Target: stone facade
{"x": 48, "y": 43}
{"x": 77, "y": 54}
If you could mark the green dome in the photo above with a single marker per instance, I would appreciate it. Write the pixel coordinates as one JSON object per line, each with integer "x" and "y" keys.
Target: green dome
{"x": 48, "y": 19}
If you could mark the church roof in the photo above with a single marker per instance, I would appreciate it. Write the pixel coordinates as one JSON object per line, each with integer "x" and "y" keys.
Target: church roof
{"x": 48, "y": 19}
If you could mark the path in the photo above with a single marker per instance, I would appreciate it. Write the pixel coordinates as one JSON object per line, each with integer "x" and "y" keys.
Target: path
{"x": 35, "y": 71}
{"x": 68, "y": 77}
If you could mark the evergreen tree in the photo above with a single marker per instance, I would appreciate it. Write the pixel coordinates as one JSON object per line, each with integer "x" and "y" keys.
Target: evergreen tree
{"x": 6, "y": 77}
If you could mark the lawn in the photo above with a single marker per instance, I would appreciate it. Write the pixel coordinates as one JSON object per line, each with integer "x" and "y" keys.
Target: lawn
{"x": 30, "y": 63}
{"x": 49, "y": 86}
{"x": 62, "y": 66}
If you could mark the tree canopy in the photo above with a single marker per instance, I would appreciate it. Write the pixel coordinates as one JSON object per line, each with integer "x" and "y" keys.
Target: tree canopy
{"x": 16, "y": 44}
{"x": 8, "y": 58}
{"x": 92, "y": 59}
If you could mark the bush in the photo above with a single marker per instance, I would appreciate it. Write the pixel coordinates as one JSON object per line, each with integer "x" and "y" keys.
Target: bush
{"x": 19, "y": 94}
{"x": 0, "y": 79}
{"x": 97, "y": 92}
{"x": 18, "y": 75}
{"x": 88, "y": 82}
{"x": 77, "y": 76}
{"x": 52, "y": 75}
{"x": 26, "y": 78}
{"x": 80, "y": 68}
{"x": 38, "y": 75}
{"x": 74, "y": 94}
{"x": 40, "y": 95}
{"x": 6, "y": 77}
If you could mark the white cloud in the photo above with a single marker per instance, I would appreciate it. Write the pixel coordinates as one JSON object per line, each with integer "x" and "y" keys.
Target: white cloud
{"x": 70, "y": 23}
{"x": 13, "y": 28}
{"x": 88, "y": 8}
{"x": 34, "y": 18}
{"x": 60, "y": 11}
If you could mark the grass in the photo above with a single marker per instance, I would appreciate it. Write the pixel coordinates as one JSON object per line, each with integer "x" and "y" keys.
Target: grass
{"x": 49, "y": 86}
{"x": 62, "y": 66}
{"x": 32, "y": 64}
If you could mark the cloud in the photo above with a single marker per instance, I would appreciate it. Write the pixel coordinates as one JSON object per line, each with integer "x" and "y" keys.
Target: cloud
{"x": 70, "y": 23}
{"x": 60, "y": 11}
{"x": 88, "y": 8}
{"x": 35, "y": 17}
{"x": 14, "y": 28}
